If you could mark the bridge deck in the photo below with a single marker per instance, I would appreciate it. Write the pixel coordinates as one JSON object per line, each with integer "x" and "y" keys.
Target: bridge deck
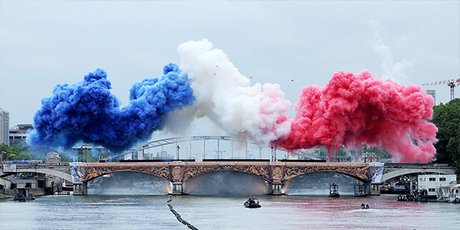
{"x": 275, "y": 172}
{"x": 273, "y": 163}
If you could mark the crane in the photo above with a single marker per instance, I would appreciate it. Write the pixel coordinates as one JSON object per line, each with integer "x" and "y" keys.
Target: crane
{"x": 451, "y": 83}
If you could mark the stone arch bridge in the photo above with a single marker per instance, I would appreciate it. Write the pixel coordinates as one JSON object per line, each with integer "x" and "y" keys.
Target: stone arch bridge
{"x": 178, "y": 172}
{"x": 394, "y": 170}
{"x": 61, "y": 171}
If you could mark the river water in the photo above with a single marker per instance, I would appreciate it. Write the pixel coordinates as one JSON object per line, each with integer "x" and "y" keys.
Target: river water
{"x": 283, "y": 212}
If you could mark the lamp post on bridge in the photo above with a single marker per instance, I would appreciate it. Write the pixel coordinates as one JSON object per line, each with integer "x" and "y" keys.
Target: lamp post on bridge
{"x": 273, "y": 149}
{"x": 218, "y": 149}
{"x": 177, "y": 152}
{"x": 246, "y": 149}
{"x": 190, "y": 150}
{"x": 204, "y": 149}
{"x": 219, "y": 153}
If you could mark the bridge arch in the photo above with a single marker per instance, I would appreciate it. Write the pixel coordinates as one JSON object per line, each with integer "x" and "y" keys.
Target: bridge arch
{"x": 359, "y": 171}
{"x": 123, "y": 171}
{"x": 354, "y": 176}
{"x": 231, "y": 183}
{"x": 402, "y": 172}
{"x": 262, "y": 172}
{"x": 180, "y": 140}
{"x": 47, "y": 171}
{"x": 226, "y": 170}
{"x": 161, "y": 171}
{"x": 127, "y": 183}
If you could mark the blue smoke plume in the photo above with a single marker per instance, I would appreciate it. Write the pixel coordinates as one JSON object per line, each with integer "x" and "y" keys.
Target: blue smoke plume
{"x": 88, "y": 112}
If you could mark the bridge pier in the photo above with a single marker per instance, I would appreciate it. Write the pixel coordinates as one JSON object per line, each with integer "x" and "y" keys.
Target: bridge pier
{"x": 176, "y": 188}
{"x": 375, "y": 189}
{"x": 277, "y": 189}
{"x": 80, "y": 188}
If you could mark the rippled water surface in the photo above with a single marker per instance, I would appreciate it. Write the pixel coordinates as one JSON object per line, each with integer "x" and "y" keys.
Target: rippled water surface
{"x": 284, "y": 212}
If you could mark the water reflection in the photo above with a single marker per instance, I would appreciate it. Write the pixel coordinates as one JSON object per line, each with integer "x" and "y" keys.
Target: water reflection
{"x": 318, "y": 184}
{"x": 277, "y": 212}
{"x": 128, "y": 183}
{"x": 227, "y": 183}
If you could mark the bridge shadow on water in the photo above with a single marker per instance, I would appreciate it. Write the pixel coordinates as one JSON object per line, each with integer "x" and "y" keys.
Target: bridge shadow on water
{"x": 318, "y": 184}
{"x": 128, "y": 183}
{"x": 226, "y": 183}
{"x": 223, "y": 183}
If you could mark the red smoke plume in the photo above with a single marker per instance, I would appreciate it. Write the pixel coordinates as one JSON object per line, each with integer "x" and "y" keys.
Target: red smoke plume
{"x": 358, "y": 109}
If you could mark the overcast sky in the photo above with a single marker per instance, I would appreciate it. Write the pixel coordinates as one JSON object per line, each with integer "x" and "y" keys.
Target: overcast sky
{"x": 44, "y": 43}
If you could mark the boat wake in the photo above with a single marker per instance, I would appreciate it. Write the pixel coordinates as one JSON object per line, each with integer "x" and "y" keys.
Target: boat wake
{"x": 178, "y": 217}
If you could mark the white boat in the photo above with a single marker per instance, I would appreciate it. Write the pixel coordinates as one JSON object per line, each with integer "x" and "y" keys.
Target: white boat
{"x": 449, "y": 193}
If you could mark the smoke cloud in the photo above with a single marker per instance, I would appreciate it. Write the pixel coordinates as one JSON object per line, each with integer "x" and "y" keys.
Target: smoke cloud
{"x": 358, "y": 109}
{"x": 223, "y": 94}
{"x": 351, "y": 110}
{"x": 88, "y": 112}
{"x": 391, "y": 69}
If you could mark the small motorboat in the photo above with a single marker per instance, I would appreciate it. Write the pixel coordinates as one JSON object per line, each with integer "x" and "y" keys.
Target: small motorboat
{"x": 334, "y": 194}
{"x": 364, "y": 206}
{"x": 334, "y": 190}
{"x": 252, "y": 203}
{"x": 402, "y": 198}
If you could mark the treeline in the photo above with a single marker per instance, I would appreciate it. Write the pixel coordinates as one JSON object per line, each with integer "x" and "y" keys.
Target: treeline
{"x": 22, "y": 152}
{"x": 14, "y": 152}
{"x": 447, "y": 119}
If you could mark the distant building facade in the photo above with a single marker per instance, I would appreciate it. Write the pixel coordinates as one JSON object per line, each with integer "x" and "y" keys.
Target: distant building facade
{"x": 432, "y": 183}
{"x": 4, "y": 126}
{"x": 88, "y": 152}
{"x": 18, "y": 133}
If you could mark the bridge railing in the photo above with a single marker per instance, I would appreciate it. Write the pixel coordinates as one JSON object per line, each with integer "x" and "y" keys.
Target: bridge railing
{"x": 31, "y": 165}
{"x": 216, "y": 149}
{"x": 417, "y": 165}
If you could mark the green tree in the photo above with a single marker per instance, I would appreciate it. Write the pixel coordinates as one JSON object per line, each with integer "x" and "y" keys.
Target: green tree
{"x": 447, "y": 118}
{"x": 103, "y": 155}
{"x": 14, "y": 152}
{"x": 65, "y": 157}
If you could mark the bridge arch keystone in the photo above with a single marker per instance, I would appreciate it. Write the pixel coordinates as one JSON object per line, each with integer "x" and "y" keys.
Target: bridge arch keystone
{"x": 177, "y": 174}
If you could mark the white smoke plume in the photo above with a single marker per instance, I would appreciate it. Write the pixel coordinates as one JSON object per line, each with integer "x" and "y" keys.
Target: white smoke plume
{"x": 391, "y": 70}
{"x": 224, "y": 95}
